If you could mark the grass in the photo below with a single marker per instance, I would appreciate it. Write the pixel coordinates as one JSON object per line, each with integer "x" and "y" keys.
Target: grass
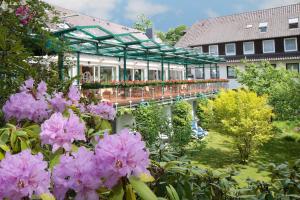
{"x": 220, "y": 154}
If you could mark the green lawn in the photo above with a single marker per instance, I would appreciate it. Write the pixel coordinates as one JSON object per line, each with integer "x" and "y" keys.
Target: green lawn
{"x": 219, "y": 153}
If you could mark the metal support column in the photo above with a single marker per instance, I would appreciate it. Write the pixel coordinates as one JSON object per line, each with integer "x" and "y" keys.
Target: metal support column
{"x": 148, "y": 67}
{"x": 125, "y": 67}
{"x": 78, "y": 68}
{"x": 119, "y": 66}
{"x": 61, "y": 66}
{"x": 169, "y": 72}
{"x": 162, "y": 69}
{"x": 186, "y": 72}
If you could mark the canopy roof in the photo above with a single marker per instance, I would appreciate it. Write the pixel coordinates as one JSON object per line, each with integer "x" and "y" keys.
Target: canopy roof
{"x": 97, "y": 40}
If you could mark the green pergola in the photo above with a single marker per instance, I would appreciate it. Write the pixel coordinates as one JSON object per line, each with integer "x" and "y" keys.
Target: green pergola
{"x": 97, "y": 40}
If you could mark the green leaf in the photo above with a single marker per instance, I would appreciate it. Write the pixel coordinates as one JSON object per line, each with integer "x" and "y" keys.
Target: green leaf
{"x": 130, "y": 195}
{"x": 172, "y": 194}
{"x": 21, "y": 134}
{"x": 4, "y": 147}
{"x": 105, "y": 125}
{"x": 54, "y": 161}
{"x": 47, "y": 196}
{"x": 1, "y": 155}
{"x": 117, "y": 193}
{"x": 24, "y": 145}
{"x": 142, "y": 189}
{"x": 4, "y": 137}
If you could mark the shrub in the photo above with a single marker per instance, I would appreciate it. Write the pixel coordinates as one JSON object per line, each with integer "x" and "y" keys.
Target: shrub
{"x": 244, "y": 116}
{"x": 281, "y": 86}
{"x": 181, "y": 122}
{"x": 151, "y": 121}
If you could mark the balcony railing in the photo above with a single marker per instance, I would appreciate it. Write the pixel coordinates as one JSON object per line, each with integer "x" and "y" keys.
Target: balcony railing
{"x": 134, "y": 92}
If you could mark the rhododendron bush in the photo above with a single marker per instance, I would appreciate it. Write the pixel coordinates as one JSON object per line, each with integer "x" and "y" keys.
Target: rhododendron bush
{"x": 55, "y": 146}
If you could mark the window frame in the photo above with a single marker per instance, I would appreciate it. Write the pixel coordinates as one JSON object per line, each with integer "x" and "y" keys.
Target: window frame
{"x": 209, "y": 51}
{"x": 230, "y": 54}
{"x": 252, "y": 52}
{"x": 292, "y": 21}
{"x": 296, "y": 41}
{"x": 263, "y": 26}
{"x": 199, "y": 49}
{"x": 227, "y": 70}
{"x": 217, "y": 68}
{"x": 263, "y": 43}
{"x": 286, "y": 66}
{"x": 203, "y": 73}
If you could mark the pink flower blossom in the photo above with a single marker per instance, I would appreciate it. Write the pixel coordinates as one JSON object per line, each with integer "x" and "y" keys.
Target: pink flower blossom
{"x": 105, "y": 110}
{"x": 22, "y": 106}
{"x": 22, "y": 175}
{"x": 77, "y": 172}
{"x": 23, "y": 13}
{"x": 27, "y": 86}
{"x": 121, "y": 155}
{"x": 74, "y": 94}
{"x": 59, "y": 131}
{"x": 59, "y": 103}
{"x": 41, "y": 89}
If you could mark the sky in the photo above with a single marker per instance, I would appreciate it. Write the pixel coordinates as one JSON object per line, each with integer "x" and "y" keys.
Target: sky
{"x": 165, "y": 14}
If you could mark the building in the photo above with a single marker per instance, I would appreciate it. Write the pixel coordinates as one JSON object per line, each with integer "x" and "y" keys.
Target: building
{"x": 270, "y": 34}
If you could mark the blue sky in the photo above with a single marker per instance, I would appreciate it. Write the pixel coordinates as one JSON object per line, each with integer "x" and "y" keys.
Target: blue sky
{"x": 165, "y": 14}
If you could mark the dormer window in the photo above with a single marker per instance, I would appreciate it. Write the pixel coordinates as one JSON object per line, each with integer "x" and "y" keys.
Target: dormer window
{"x": 263, "y": 27}
{"x": 293, "y": 23}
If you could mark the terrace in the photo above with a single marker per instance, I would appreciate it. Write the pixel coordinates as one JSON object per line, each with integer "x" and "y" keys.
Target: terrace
{"x": 96, "y": 40}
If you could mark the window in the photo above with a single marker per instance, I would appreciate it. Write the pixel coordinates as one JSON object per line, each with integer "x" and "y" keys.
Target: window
{"x": 199, "y": 73}
{"x": 248, "y": 48}
{"x": 268, "y": 46}
{"x": 292, "y": 67}
{"x": 213, "y": 50}
{"x": 199, "y": 49}
{"x": 293, "y": 23}
{"x": 263, "y": 27}
{"x": 231, "y": 72}
{"x": 230, "y": 49}
{"x": 290, "y": 44}
{"x": 214, "y": 72}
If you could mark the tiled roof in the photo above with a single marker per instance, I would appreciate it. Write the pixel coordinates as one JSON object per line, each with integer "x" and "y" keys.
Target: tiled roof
{"x": 233, "y": 28}
{"x": 74, "y": 18}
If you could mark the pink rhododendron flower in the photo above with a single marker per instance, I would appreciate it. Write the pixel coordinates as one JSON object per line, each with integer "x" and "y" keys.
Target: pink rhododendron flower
{"x": 60, "y": 131}
{"x": 59, "y": 103}
{"x": 22, "y": 106}
{"x": 23, "y": 12}
{"x": 74, "y": 94}
{"x": 121, "y": 155}
{"x": 105, "y": 110}
{"x": 22, "y": 175}
{"x": 41, "y": 89}
{"x": 77, "y": 172}
{"x": 27, "y": 86}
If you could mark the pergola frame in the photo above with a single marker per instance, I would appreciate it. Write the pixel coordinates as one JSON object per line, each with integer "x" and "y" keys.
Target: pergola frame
{"x": 97, "y": 40}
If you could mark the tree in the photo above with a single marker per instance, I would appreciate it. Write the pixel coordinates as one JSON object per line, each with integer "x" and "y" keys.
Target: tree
{"x": 244, "y": 116}
{"x": 143, "y": 23}
{"x": 173, "y": 35}
{"x": 23, "y": 34}
{"x": 281, "y": 86}
{"x": 182, "y": 124}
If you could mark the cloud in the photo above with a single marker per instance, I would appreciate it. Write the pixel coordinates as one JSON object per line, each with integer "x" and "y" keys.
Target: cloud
{"x": 137, "y": 7}
{"x": 211, "y": 13}
{"x": 95, "y": 8}
{"x": 277, "y": 3}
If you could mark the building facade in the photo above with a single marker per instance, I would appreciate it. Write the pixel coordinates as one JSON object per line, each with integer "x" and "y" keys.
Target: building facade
{"x": 265, "y": 35}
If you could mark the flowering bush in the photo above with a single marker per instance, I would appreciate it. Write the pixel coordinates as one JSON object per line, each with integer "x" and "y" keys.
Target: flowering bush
{"x": 75, "y": 166}
{"x": 23, "y": 175}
